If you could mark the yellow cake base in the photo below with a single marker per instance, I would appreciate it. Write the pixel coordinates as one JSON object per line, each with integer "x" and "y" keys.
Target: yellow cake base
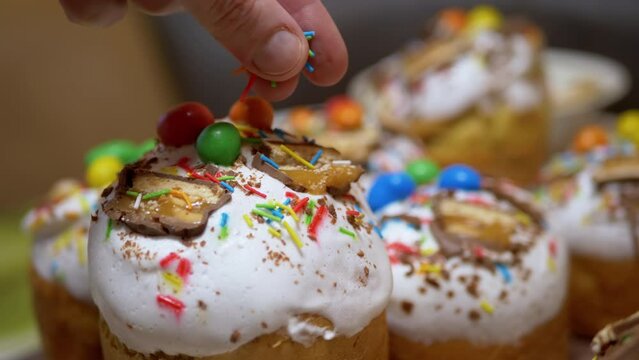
{"x": 549, "y": 341}
{"x": 601, "y": 292}
{"x": 369, "y": 344}
{"x": 68, "y": 327}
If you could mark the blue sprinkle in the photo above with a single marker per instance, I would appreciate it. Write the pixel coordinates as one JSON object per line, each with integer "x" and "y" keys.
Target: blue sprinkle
{"x": 269, "y": 161}
{"x": 262, "y": 134}
{"x": 277, "y": 213}
{"x": 287, "y": 201}
{"x": 358, "y": 208}
{"x": 377, "y": 230}
{"x": 505, "y": 273}
{"x": 309, "y": 67}
{"x": 227, "y": 186}
{"x": 225, "y": 219}
{"x": 268, "y": 221}
{"x": 309, "y": 33}
{"x": 280, "y": 133}
{"x": 317, "y": 156}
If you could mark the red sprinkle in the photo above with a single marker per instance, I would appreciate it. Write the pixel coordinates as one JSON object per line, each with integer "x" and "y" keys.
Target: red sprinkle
{"x": 300, "y": 205}
{"x": 349, "y": 197}
{"x": 249, "y": 85}
{"x": 212, "y": 178}
{"x": 478, "y": 251}
{"x": 352, "y": 212}
{"x": 183, "y": 164}
{"x": 184, "y": 269}
{"x": 317, "y": 219}
{"x": 552, "y": 247}
{"x": 291, "y": 195}
{"x": 254, "y": 191}
{"x": 167, "y": 260}
{"x": 170, "y": 302}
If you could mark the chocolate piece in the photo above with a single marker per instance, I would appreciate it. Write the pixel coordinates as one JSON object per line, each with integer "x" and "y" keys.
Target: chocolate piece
{"x": 411, "y": 220}
{"x": 618, "y": 341}
{"x": 616, "y": 170}
{"x": 169, "y": 214}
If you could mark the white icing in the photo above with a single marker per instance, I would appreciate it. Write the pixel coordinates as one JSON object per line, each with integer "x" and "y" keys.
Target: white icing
{"x": 60, "y": 241}
{"x": 234, "y": 286}
{"x": 436, "y": 317}
{"x": 394, "y": 154}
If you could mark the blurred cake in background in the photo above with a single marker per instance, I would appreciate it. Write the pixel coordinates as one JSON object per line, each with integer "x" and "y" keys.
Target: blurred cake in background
{"x": 59, "y": 227}
{"x": 475, "y": 273}
{"x": 472, "y": 89}
{"x": 341, "y": 123}
{"x": 618, "y": 341}
{"x": 591, "y": 196}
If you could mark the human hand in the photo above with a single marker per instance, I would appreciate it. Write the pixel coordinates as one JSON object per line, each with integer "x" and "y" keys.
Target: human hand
{"x": 266, "y": 36}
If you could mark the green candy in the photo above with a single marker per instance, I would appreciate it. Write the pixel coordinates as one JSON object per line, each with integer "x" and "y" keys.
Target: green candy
{"x": 422, "y": 171}
{"x": 124, "y": 150}
{"x": 219, "y": 144}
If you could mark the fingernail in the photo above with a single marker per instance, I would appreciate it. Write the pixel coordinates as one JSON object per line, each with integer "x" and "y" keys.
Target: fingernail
{"x": 280, "y": 54}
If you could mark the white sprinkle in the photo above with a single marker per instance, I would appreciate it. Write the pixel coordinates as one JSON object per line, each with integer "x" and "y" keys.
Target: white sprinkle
{"x": 138, "y": 200}
{"x": 341, "y": 162}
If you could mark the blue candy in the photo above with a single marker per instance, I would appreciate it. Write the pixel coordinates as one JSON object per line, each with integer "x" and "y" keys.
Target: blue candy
{"x": 459, "y": 177}
{"x": 389, "y": 188}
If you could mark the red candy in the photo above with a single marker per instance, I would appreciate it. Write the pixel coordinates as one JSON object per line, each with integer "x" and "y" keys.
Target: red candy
{"x": 182, "y": 124}
{"x": 253, "y": 111}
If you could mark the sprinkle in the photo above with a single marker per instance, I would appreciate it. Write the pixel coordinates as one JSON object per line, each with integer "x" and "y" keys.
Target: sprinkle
{"x": 427, "y": 252}
{"x": 224, "y": 233}
{"x": 170, "y": 302}
{"x": 311, "y": 53}
{"x": 138, "y": 200}
{"x": 132, "y": 193}
{"x": 427, "y": 268}
{"x": 225, "y": 219}
{"x": 248, "y": 86}
{"x": 341, "y": 162}
{"x": 317, "y": 156}
{"x": 273, "y": 84}
{"x": 291, "y": 195}
{"x": 505, "y": 273}
{"x": 269, "y": 161}
{"x": 347, "y": 232}
{"x": 226, "y": 178}
{"x": 274, "y": 232}
{"x": 167, "y": 260}
{"x": 248, "y": 220}
{"x": 296, "y": 156}
{"x": 109, "y": 228}
{"x": 485, "y": 305}
{"x": 312, "y": 228}
{"x": 266, "y": 206}
{"x": 352, "y": 213}
{"x": 552, "y": 265}
{"x": 182, "y": 195}
{"x": 211, "y": 177}
{"x": 252, "y": 190}
{"x": 300, "y": 205}
{"x": 228, "y": 187}
{"x": 552, "y": 247}
{"x": 307, "y": 219}
{"x": 293, "y": 234}
{"x": 173, "y": 280}
{"x": 310, "y": 33}
{"x": 287, "y": 201}
{"x": 288, "y": 210}
{"x": 155, "y": 194}
{"x": 263, "y": 213}
{"x": 277, "y": 213}
{"x": 309, "y": 67}
{"x": 378, "y": 231}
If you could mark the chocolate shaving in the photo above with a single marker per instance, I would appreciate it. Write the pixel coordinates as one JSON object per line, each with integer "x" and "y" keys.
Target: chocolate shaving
{"x": 167, "y": 214}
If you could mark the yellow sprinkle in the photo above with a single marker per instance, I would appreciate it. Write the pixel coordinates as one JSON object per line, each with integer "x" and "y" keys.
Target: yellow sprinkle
{"x": 245, "y": 128}
{"x": 552, "y": 265}
{"x": 248, "y": 220}
{"x": 428, "y": 252}
{"x": 84, "y": 203}
{"x": 288, "y": 210}
{"x": 81, "y": 247}
{"x": 274, "y": 232}
{"x": 485, "y": 305}
{"x": 293, "y": 234}
{"x": 173, "y": 280}
{"x": 62, "y": 241}
{"x": 180, "y": 194}
{"x": 523, "y": 218}
{"x": 427, "y": 268}
{"x": 296, "y": 156}
{"x": 171, "y": 170}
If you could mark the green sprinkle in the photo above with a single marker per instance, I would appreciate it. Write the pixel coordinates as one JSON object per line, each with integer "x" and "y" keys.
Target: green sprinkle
{"x": 224, "y": 233}
{"x": 308, "y": 219}
{"x": 266, "y": 206}
{"x": 109, "y": 228}
{"x": 311, "y": 205}
{"x": 226, "y": 178}
{"x": 347, "y": 232}
{"x": 273, "y": 84}
{"x": 311, "y": 53}
{"x": 155, "y": 194}
{"x": 266, "y": 215}
{"x": 132, "y": 193}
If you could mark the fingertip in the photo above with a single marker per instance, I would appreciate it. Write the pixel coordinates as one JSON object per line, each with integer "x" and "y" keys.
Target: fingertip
{"x": 94, "y": 12}
{"x": 279, "y": 91}
{"x": 329, "y": 66}
{"x": 159, "y": 7}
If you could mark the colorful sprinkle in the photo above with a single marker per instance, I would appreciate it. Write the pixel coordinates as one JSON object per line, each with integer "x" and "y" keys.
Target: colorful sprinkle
{"x": 291, "y": 195}
{"x": 311, "y": 53}
{"x": 247, "y": 220}
{"x": 300, "y": 205}
{"x": 274, "y": 232}
{"x": 228, "y": 187}
{"x": 505, "y": 273}
{"x": 428, "y": 268}
{"x": 485, "y": 305}
{"x": 297, "y": 157}
{"x": 273, "y": 84}
{"x": 317, "y": 156}
{"x": 309, "y": 67}
{"x": 182, "y": 195}
{"x": 138, "y": 200}
{"x": 252, "y": 190}
{"x": 264, "y": 214}
{"x": 287, "y": 201}
{"x": 224, "y": 233}
{"x": 288, "y": 210}
{"x": 184, "y": 269}
{"x": 342, "y": 162}
{"x": 268, "y": 205}
{"x": 173, "y": 280}
{"x": 226, "y": 178}
{"x": 109, "y": 228}
{"x": 312, "y": 228}
{"x": 171, "y": 303}
{"x": 269, "y": 161}
{"x": 293, "y": 234}
{"x": 167, "y": 260}
{"x": 249, "y": 85}
{"x": 310, "y": 33}
{"x": 225, "y": 219}
{"x": 353, "y": 213}
{"x": 156, "y": 194}
{"x": 347, "y": 232}
{"x": 378, "y": 231}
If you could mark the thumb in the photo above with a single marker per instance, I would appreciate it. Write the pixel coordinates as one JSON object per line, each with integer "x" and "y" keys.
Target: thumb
{"x": 261, "y": 34}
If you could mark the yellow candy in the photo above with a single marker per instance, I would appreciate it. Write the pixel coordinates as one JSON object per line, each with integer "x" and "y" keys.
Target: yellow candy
{"x": 483, "y": 17}
{"x": 103, "y": 171}
{"x": 628, "y": 125}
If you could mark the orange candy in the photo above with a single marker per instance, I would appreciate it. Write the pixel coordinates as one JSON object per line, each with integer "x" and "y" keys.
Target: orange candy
{"x": 453, "y": 18}
{"x": 301, "y": 119}
{"x": 344, "y": 113}
{"x": 253, "y": 111}
{"x": 589, "y": 137}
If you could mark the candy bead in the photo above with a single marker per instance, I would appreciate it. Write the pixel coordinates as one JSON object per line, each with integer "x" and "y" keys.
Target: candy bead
{"x": 422, "y": 171}
{"x": 103, "y": 171}
{"x": 589, "y": 138}
{"x": 459, "y": 177}
{"x": 628, "y": 125}
{"x": 253, "y": 111}
{"x": 219, "y": 143}
{"x": 301, "y": 119}
{"x": 483, "y": 17}
{"x": 182, "y": 124}
{"x": 344, "y": 113}
{"x": 390, "y": 187}
{"x": 124, "y": 150}
{"x": 453, "y": 19}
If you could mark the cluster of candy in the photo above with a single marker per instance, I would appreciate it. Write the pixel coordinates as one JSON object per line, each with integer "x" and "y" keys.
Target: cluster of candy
{"x": 340, "y": 113}
{"x": 106, "y": 160}
{"x": 482, "y": 17}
